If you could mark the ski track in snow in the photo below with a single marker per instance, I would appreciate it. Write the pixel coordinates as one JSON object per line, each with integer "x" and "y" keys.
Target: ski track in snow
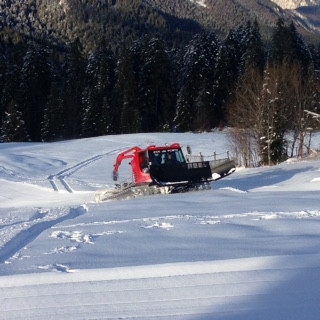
{"x": 59, "y": 179}
{"x": 167, "y": 222}
{"x": 22, "y": 233}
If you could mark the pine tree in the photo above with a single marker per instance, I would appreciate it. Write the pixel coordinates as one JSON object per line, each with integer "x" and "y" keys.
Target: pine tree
{"x": 156, "y": 86}
{"x": 35, "y": 78}
{"x": 13, "y": 126}
{"x": 287, "y": 46}
{"x": 3, "y": 71}
{"x": 72, "y": 89}
{"x": 98, "y": 93}
{"x": 10, "y": 77}
{"x": 229, "y": 68}
{"x": 317, "y": 60}
{"x": 252, "y": 52}
{"x": 183, "y": 117}
{"x": 53, "y": 124}
{"x": 196, "y": 95}
{"x": 126, "y": 92}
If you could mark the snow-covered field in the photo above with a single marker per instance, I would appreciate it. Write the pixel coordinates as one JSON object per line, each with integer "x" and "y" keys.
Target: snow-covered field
{"x": 247, "y": 249}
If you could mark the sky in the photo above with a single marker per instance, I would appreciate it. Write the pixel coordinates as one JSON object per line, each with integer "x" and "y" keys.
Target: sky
{"x": 248, "y": 248}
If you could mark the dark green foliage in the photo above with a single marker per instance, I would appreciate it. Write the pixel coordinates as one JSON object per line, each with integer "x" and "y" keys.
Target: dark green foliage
{"x": 316, "y": 59}
{"x": 35, "y": 79}
{"x": 287, "y": 46}
{"x": 72, "y": 89}
{"x": 53, "y": 123}
{"x": 11, "y": 63}
{"x": 156, "y": 86}
{"x": 126, "y": 92}
{"x": 145, "y": 87}
{"x": 252, "y": 48}
{"x": 13, "y": 126}
{"x": 97, "y": 117}
{"x": 3, "y": 71}
{"x": 195, "y": 106}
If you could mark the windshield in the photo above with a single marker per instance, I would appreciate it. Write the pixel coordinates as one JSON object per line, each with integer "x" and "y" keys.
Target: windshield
{"x": 170, "y": 156}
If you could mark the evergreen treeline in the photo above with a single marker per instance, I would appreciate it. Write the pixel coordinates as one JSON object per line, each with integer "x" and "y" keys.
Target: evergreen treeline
{"x": 48, "y": 94}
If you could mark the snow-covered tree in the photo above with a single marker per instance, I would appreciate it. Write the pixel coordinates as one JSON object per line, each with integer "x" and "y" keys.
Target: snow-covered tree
{"x": 97, "y": 96}
{"x": 196, "y": 95}
{"x": 53, "y": 123}
{"x": 156, "y": 85}
{"x": 13, "y": 126}
{"x": 252, "y": 48}
{"x": 126, "y": 92}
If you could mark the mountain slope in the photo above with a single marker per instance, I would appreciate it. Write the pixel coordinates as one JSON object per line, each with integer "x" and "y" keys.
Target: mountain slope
{"x": 121, "y": 20}
{"x": 294, "y": 4}
{"x": 223, "y": 15}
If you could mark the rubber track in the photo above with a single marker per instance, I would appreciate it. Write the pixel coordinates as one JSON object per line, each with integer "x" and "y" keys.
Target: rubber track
{"x": 131, "y": 192}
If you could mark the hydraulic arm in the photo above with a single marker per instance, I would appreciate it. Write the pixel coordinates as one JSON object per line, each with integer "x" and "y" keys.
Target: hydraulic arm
{"x": 128, "y": 154}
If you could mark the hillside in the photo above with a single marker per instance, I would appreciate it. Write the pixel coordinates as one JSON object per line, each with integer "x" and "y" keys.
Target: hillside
{"x": 247, "y": 249}
{"x": 122, "y": 20}
{"x": 294, "y": 4}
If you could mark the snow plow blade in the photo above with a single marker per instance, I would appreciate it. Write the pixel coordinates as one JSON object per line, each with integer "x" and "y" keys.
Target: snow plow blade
{"x": 221, "y": 168}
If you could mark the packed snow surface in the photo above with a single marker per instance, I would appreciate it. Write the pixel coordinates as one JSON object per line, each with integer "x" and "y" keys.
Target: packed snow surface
{"x": 246, "y": 249}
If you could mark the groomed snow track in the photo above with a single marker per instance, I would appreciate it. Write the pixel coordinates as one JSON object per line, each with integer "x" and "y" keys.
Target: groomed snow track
{"x": 58, "y": 180}
{"x": 191, "y": 290}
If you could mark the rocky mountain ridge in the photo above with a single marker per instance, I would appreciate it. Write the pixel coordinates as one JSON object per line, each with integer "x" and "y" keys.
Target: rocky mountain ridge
{"x": 294, "y": 4}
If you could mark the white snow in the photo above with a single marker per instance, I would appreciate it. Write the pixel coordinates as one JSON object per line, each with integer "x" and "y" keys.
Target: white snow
{"x": 293, "y": 4}
{"x": 201, "y": 3}
{"x": 246, "y": 249}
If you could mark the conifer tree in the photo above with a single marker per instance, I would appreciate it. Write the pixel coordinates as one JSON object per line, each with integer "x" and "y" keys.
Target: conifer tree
{"x": 3, "y": 67}
{"x": 97, "y": 96}
{"x": 196, "y": 95}
{"x": 53, "y": 124}
{"x": 287, "y": 46}
{"x": 35, "y": 78}
{"x": 253, "y": 55}
{"x": 126, "y": 92}
{"x": 10, "y": 77}
{"x": 156, "y": 86}
{"x": 72, "y": 89}
{"x": 13, "y": 126}
{"x": 317, "y": 60}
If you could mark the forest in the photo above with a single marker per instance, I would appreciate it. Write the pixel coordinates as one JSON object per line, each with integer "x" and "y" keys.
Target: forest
{"x": 48, "y": 93}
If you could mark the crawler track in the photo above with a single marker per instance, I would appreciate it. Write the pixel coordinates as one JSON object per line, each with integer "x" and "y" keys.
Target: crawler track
{"x": 130, "y": 191}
